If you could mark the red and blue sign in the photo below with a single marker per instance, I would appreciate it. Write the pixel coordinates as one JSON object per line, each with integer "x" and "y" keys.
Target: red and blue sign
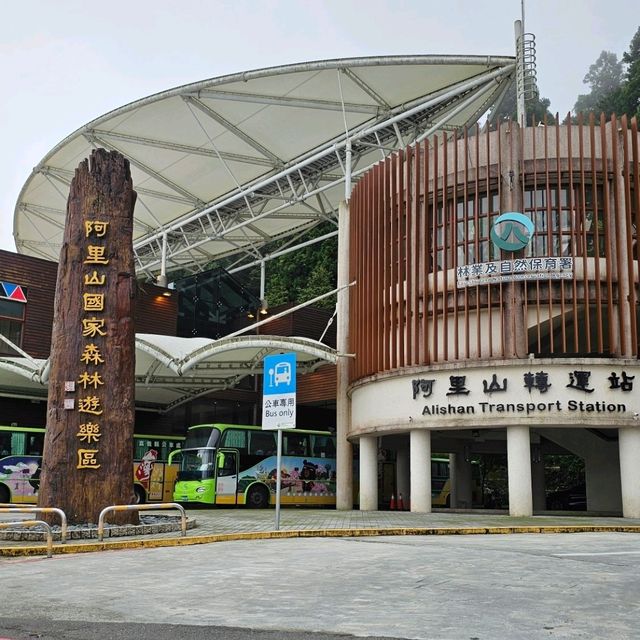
{"x": 10, "y": 291}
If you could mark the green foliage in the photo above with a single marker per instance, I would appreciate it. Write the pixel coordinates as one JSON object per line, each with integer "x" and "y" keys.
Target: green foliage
{"x": 613, "y": 89}
{"x": 304, "y": 274}
{"x": 537, "y": 109}
{"x": 562, "y": 472}
{"x": 605, "y": 77}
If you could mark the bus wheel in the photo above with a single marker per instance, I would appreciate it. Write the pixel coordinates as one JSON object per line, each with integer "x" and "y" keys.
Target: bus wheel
{"x": 138, "y": 492}
{"x": 4, "y": 495}
{"x": 258, "y": 498}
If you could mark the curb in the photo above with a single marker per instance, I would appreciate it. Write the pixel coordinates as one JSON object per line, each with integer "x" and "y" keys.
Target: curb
{"x": 89, "y": 547}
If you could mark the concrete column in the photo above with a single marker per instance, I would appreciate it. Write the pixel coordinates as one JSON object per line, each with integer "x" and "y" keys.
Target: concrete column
{"x": 420, "y": 461}
{"x": 368, "y": 473}
{"x": 515, "y": 326}
{"x": 344, "y": 450}
{"x": 519, "y": 470}
{"x": 403, "y": 474}
{"x": 629, "y": 443}
{"x": 460, "y": 469}
{"x": 537, "y": 480}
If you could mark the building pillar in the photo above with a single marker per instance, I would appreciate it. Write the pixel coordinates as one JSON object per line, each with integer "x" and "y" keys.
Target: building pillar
{"x": 420, "y": 462}
{"x": 629, "y": 443}
{"x": 403, "y": 481}
{"x": 368, "y": 473}
{"x": 519, "y": 471}
{"x": 537, "y": 479}
{"x": 344, "y": 450}
{"x": 460, "y": 481}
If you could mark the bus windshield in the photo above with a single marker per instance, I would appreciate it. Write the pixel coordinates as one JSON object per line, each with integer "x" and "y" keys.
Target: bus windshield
{"x": 204, "y": 436}
{"x": 197, "y": 464}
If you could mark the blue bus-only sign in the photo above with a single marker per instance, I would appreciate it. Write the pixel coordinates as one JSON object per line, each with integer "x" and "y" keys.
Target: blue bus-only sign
{"x": 279, "y": 392}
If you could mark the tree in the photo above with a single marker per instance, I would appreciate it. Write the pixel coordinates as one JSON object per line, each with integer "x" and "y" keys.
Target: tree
{"x": 537, "y": 108}
{"x": 605, "y": 77}
{"x": 305, "y": 273}
{"x": 614, "y": 89}
{"x": 631, "y": 94}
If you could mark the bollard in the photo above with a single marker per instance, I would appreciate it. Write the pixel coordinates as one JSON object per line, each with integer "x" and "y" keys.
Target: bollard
{"x": 60, "y": 512}
{"x": 142, "y": 507}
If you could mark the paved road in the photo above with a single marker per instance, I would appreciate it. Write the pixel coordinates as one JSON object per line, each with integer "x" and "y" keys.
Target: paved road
{"x": 582, "y": 585}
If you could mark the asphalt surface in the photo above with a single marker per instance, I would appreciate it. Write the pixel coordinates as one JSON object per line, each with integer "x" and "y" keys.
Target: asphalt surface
{"x": 348, "y": 578}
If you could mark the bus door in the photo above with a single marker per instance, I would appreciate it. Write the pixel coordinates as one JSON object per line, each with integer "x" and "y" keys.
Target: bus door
{"x": 226, "y": 476}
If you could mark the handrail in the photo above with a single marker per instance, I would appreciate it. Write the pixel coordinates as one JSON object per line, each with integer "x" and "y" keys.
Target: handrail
{"x": 141, "y": 507}
{"x": 60, "y": 512}
{"x": 31, "y": 523}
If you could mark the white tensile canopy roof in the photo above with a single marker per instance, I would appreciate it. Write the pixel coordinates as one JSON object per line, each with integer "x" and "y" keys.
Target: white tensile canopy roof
{"x": 171, "y": 371}
{"x": 225, "y": 166}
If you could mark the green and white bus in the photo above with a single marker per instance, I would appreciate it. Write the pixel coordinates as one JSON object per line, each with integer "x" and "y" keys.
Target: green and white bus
{"x": 21, "y": 458}
{"x": 228, "y": 464}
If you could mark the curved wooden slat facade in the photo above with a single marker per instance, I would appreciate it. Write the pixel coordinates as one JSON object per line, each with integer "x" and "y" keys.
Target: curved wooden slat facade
{"x": 424, "y": 215}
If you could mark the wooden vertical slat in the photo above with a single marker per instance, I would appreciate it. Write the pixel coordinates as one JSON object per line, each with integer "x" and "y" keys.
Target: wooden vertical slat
{"x": 454, "y": 245}
{"x": 582, "y": 225}
{"x": 626, "y": 173}
{"x": 476, "y": 207}
{"x": 357, "y": 337}
{"x": 560, "y": 284}
{"x": 467, "y": 326}
{"x": 503, "y": 336}
{"x": 523, "y": 182}
{"x": 573, "y": 241}
{"x": 386, "y": 284}
{"x": 435, "y": 356}
{"x": 379, "y": 272}
{"x": 635, "y": 174}
{"x": 596, "y": 222}
{"x": 607, "y": 233}
{"x": 427, "y": 266}
{"x": 534, "y": 211}
{"x": 447, "y": 242}
{"x": 416, "y": 235}
{"x": 400, "y": 273}
{"x": 408, "y": 257}
{"x": 367, "y": 259}
{"x": 617, "y": 232}
{"x": 489, "y": 221}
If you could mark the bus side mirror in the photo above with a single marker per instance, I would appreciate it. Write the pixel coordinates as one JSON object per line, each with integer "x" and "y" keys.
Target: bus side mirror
{"x": 220, "y": 460}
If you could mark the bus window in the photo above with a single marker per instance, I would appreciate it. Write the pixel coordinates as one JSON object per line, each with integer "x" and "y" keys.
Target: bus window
{"x": 18, "y": 443}
{"x": 236, "y": 439}
{"x": 262, "y": 443}
{"x": 35, "y": 444}
{"x": 323, "y": 446}
{"x": 295, "y": 444}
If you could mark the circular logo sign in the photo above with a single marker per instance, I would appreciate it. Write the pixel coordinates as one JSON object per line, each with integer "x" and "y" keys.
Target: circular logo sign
{"x": 512, "y": 231}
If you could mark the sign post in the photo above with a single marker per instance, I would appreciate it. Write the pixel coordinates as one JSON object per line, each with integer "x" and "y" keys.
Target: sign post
{"x": 279, "y": 405}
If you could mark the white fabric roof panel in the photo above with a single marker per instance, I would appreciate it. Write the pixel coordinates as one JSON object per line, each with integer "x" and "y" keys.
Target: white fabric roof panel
{"x": 172, "y": 370}
{"x": 208, "y": 158}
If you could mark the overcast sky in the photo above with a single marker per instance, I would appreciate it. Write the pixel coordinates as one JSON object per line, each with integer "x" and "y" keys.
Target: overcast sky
{"x": 65, "y": 62}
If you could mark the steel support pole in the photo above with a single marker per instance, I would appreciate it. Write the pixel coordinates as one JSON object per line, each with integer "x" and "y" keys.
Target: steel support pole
{"x": 344, "y": 452}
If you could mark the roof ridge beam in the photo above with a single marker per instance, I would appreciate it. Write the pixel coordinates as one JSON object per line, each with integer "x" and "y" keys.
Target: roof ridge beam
{"x": 97, "y": 140}
{"x": 286, "y": 101}
{"x": 181, "y": 148}
{"x": 232, "y": 128}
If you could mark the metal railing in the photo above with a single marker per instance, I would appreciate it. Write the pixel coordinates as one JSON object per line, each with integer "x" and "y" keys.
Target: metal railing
{"x": 31, "y": 523}
{"x": 63, "y": 518}
{"x": 141, "y": 507}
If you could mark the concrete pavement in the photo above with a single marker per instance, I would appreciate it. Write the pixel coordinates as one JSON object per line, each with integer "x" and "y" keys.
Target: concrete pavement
{"x": 217, "y": 525}
{"x": 438, "y": 587}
